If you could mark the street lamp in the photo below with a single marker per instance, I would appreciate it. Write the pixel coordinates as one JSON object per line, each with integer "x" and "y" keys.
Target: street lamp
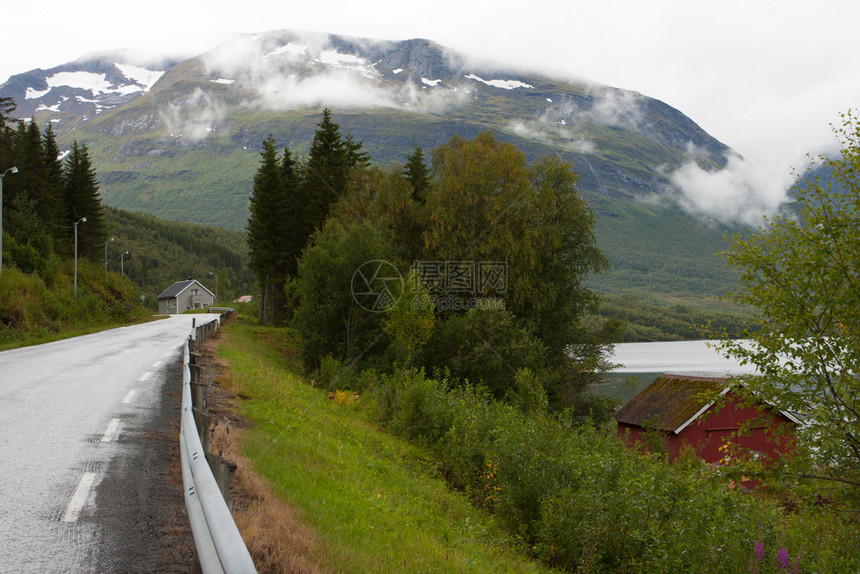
{"x": 2, "y": 177}
{"x": 81, "y": 220}
{"x": 122, "y": 263}
{"x": 106, "y": 243}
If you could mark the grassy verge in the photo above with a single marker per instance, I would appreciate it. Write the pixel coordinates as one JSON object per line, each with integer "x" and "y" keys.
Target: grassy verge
{"x": 376, "y": 501}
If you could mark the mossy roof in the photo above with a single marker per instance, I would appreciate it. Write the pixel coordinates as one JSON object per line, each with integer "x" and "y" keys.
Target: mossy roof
{"x": 670, "y": 402}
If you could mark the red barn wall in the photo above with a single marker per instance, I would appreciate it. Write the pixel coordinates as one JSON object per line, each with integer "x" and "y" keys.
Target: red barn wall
{"x": 715, "y": 426}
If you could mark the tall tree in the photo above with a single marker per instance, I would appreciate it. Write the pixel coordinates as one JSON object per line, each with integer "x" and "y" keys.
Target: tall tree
{"x": 294, "y": 239}
{"x": 81, "y": 199}
{"x": 802, "y": 274}
{"x": 269, "y": 231}
{"x": 524, "y": 236}
{"x": 53, "y": 177}
{"x": 417, "y": 174}
{"x": 326, "y": 172}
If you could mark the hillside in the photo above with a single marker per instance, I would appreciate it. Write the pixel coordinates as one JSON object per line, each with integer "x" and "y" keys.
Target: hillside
{"x": 181, "y": 139}
{"x": 161, "y": 252}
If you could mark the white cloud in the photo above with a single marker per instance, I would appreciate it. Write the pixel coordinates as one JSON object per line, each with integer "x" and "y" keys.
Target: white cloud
{"x": 193, "y": 118}
{"x": 336, "y": 88}
{"x": 557, "y": 135}
{"x": 742, "y": 193}
{"x": 277, "y": 73}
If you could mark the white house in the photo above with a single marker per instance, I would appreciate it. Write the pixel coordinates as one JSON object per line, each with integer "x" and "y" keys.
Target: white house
{"x": 184, "y": 295}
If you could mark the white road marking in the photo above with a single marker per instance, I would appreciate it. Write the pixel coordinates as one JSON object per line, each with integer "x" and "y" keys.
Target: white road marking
{"x": 144, "y": 376}
{"x": 156, "y": 364}
{"x": 111, "y": 431}
{"x": 130, "y": 396}
{"x": 79, "y": 497}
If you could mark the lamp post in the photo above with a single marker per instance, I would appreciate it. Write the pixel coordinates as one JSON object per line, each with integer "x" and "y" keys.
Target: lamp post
{"x": 81, "y": 220}
{"x": 122, "y": 263}
{"x": 106, "y": 243}
{"x": 2, "y": 177}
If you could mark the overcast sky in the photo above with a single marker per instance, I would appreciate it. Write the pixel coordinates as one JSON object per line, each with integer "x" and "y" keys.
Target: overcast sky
{"x": 765, "y": 77}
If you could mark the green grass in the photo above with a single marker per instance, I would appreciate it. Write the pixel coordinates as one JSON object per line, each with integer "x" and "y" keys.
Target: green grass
{"x": 375, "y": 500}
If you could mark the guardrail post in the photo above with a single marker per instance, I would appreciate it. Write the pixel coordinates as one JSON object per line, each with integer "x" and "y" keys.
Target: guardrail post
{"x": 198, "y": 394}
{"x": 201, "y": 421}
{"x": 223, "y": 470}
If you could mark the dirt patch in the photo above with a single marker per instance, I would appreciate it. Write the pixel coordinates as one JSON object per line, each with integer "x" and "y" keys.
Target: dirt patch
{"x": 276, "y": 536}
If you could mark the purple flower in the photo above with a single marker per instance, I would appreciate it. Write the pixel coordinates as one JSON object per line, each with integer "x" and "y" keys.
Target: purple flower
{"x": 782, "y": 559}
{"x": 759, "y": 550}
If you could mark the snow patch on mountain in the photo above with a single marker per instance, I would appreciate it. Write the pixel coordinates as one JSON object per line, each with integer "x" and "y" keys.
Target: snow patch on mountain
{"x": 504, "y": 84}
{"x": 140, "y": 76}
{"x": 95, "y": 83}
{"x": 290, "y": 49}
{"x": 32, "y": 94}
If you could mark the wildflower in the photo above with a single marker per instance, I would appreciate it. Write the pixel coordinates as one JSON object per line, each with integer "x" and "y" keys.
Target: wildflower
{"x": 759, "y": 550}
{"x": 782, "y": 558}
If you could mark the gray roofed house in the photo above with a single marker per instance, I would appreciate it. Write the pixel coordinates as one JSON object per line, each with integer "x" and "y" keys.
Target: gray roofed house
{"x": 183, "y": 296}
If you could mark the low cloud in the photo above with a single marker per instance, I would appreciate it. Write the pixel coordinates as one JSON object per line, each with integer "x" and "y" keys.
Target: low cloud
{"x": 553, "y": 134}
{"x": 339, "y": 88}
{"x": 602, "y": 106}
{"x": 194, "y": 117}
{"x": 305, "y": 70}
{"x": 741, "y": 193}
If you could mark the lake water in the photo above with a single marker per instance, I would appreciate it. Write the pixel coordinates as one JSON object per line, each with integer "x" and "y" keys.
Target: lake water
{"x": 641, "y": 363}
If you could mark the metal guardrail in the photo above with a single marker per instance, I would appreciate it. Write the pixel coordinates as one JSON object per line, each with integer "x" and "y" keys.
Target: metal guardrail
{"x": 220, "y": 548}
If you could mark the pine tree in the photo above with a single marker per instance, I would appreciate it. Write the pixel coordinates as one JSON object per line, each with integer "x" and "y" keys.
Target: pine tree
{"x": 330, "y": 160}
{"x": 53, "y": 180}
{"x": 269, "y": 231}
{"x": 294, "y": 240}
{"x": 417, "y": 173}
{"x": 81, "y": 199}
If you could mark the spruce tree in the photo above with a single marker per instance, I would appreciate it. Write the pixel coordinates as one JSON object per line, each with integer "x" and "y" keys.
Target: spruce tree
{"x": 330, "y": 160}
{"x": 417, "y": 173}
{"x": 81, "y": 199}
{"x": 294, "y": 240}
{"x": 53, "y": 170}
{"x": 269, "y": 232}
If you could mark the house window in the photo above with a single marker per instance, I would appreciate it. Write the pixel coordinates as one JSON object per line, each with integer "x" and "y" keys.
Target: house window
{"x": 194, "y": 292}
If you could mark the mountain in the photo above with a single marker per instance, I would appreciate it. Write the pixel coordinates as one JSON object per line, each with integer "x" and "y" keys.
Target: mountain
{"x": 180, "y": 139}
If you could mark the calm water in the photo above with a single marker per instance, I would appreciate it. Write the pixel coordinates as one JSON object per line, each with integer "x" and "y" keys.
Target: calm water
{"x": 641, "y": 363}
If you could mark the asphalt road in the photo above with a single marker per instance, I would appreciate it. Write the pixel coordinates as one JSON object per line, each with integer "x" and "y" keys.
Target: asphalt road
{"x": 87, "y": 433}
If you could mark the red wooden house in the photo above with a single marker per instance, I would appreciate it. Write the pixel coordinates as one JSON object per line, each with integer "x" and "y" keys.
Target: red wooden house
{"x": 687, "y": 411}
